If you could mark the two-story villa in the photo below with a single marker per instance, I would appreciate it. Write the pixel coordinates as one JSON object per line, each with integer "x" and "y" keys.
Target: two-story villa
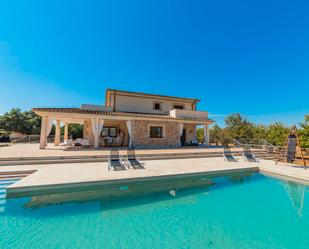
{"x": 131, "y": 119}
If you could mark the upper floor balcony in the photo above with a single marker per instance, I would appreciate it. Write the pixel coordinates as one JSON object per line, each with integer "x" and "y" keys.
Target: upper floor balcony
{"x": 181, "y": 113}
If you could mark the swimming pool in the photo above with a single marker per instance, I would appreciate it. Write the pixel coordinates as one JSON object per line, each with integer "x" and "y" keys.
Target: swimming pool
{"x": 243, "y": 211}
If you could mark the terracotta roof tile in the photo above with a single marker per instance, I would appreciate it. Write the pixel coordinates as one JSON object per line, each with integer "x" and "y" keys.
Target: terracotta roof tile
{"x": 125, "y": 114}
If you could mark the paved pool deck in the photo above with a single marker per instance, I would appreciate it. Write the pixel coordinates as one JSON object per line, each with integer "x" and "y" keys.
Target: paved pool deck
{"x": 27, "y": 151}
{"x": 53, "y": 176}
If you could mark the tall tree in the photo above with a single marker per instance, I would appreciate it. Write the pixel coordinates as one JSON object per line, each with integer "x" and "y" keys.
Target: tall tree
{"x": 260, "y": 132}
{"x": 200, "y": 135}
{"x": 25, "y": 122}
{"x": 75, "y": 130}
{"x": 219, "y": 136}
{"x": 239, "y": 128}
{"x": 277, "y": 134}
{"x": 304, "y": 133}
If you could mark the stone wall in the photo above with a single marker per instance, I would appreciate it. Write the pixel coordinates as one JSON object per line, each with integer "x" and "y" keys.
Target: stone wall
{"x": 121, "y": 129}
{"x": 189, "y": 132}
{"x": 87, "y": 133}
{"x": 141, "y": 134}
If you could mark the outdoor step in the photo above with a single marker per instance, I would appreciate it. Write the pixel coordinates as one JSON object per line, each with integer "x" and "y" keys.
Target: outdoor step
{"x": 19, "y": 172}
{"x": 4, "y": 184}
{"x": 11, "y": 177}
{"x": 7, "y": 182}
{"x": 104, "y": 159}
{"x": 54, "y": 161}
{"x": 105, "y": 156}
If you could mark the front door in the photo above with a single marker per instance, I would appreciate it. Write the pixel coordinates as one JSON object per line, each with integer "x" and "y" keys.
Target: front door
{"x": 183, "y": 137}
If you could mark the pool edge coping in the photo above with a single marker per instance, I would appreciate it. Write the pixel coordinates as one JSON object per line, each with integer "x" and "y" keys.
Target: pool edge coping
{"x": 15, "y": 192}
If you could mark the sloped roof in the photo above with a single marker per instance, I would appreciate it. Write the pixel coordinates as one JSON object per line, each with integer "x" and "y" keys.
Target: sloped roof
{"x": 153, "y": 95}
{"x": 124, "y": 114}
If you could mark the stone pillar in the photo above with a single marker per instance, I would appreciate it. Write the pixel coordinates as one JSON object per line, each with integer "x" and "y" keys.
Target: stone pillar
{"x": 57, "y": 134}
{"x": 194, "y": 132}
{"x": 87, "y": 132}
{"x": 66, "y": 132}
{"x": 96, "y": 134}
{"x": 43, "y": 132}
{"x": 206, "y": 135}
{"x": 130, "y": 131}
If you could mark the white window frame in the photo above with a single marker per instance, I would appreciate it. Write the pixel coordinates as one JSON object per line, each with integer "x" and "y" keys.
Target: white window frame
{"x": 156, "y": 125}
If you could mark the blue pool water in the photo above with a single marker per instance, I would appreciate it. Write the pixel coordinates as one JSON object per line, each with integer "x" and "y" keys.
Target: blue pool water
{"x": 243, "y": 212}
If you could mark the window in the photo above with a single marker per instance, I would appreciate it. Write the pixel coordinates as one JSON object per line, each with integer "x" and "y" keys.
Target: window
{"x": 109, "y": 132}
{"x": 157, "y": 106}
{"x": 178, "y": 107}
{"x": 156, "y": 132}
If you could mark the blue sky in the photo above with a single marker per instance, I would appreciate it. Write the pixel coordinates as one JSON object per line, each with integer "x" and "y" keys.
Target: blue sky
{"x": 241, "y": 56}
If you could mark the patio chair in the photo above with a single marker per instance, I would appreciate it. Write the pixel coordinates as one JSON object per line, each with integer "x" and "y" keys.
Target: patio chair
{"x": 228, "y": 155}
{"x": 116, "y": 141}
{"x": 114, "y": 162}
{"x": 68, "y": 142}
{"x": 78, "y": 142}
{"x": 133, "y": 161}
{"x": 194, "y": 142}
{"x": 85, "y": 142}
{"x": 108, "y": 141}
{"x": 249, "y": 156}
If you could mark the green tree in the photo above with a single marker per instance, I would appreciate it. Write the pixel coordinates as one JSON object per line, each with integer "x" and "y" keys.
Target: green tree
{"x": 260, "y": 132}
{"x": 25, "y": 122}
{"x": 277, "y": 133}
{"x": 219, "y": 135}
{"x": 32, "y": 122}
{"x": 239, "y": 128}
{"x": 304, "y": 133}
{"x": 75, "y": 130}
{"x": 200, "y": 135}
{"x": 12, "y": 121}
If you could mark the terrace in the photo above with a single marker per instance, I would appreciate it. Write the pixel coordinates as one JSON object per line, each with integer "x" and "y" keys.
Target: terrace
{"x": 56, "y": 169}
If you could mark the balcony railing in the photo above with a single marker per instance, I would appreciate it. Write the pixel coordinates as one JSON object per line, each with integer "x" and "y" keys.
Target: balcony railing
{"x": 180, "y": 113}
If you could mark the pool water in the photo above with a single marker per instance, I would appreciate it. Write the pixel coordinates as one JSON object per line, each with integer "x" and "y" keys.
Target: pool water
{"x": 244, "y": 212}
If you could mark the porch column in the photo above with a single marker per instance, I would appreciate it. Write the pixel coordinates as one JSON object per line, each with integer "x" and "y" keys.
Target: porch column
{"x": 66, "y": 132}
{"x": 130, "y": 131}
{"x": 194, "y": 132}
{"x": 57, "y": 133}
{"x": 43, "y": 132}
{"x": 180, "y": 133}
{"x": 206, "y": 135}
{"x": 96, "y": 133}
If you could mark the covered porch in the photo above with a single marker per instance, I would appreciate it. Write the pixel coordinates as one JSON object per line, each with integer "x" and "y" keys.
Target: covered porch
{"x": 97, "y": 132}
{"x": 107, "y": 129}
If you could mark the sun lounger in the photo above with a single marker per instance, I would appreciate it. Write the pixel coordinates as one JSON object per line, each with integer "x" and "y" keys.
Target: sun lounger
{"x": 114, "y": 162}
{"x": 133, "y": 161}
{"x": 249, "y": 156}
{"x": 228, "y": 155}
